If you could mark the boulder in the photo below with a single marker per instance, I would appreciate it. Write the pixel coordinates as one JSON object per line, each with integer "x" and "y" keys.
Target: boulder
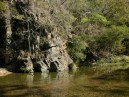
{"x": 41, "y": 67}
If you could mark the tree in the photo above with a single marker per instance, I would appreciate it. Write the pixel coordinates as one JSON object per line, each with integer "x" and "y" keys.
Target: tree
{"x": 114, "y": 10}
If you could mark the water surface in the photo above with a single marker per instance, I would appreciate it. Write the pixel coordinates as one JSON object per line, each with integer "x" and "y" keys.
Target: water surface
{"x": 86, "y": 82}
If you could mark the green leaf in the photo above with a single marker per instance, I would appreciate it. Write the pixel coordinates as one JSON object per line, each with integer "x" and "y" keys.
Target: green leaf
{"x": 84, "y": 20}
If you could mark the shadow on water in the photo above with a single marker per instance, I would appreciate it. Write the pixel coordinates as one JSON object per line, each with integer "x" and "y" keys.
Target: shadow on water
{"x": 31, "y": 85}
{"x": 117, "y": 80}
{"x": 120, "y": 74}
{"x": 115, "y": 91}
{"x": 6, "y": 91}
{"x": 21, "y": 85}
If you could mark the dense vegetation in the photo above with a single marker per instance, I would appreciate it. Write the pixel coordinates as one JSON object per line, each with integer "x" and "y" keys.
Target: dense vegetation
{"x": 102, "y": 25}
{"x": 99, "y": 28}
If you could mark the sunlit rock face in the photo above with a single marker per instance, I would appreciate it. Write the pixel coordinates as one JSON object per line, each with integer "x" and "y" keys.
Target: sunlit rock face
{"x": 33, "y": 40}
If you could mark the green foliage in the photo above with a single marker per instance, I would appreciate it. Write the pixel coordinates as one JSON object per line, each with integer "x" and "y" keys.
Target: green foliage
{"x": 118, "y": 10}
{"x": 85, "y": 20}
{"x": 95, "y": 18}
{"x": 98, "y": 18}
{"x": 2, "y": 6}
{"x": 98, "y": 24}
{"x": 103, "y": 25}
{"x": 121, "y": 59}
{"x": 114, "y": 10}
{"x": 76, "y": 47}
{"x": 111, "y": 39}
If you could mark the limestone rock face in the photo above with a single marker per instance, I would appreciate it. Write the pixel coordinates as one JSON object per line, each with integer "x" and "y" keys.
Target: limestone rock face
{"x": 34, "y": 42}
{"x": 57, "y": 55}
{"x": 29, "y": 65}
{"x": 41, "y": 67}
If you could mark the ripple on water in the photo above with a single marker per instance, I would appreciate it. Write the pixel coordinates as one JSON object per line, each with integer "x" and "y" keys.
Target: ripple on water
{"x": 86, "y": 82}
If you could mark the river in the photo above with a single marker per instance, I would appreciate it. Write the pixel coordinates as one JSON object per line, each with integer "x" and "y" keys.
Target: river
{"x": 85, "y": 82}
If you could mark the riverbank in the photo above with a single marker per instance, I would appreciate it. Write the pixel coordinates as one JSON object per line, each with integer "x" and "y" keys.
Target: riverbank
{"x": 4, "y": 72}
{"x": 114, "y": 60}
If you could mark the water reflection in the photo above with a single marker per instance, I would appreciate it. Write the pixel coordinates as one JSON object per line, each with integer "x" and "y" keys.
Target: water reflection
{"x": 30, "y": 79}
{"x": 86, "y": 82}
{"x": 61, "y": 80}
{"x": 44, "y": 75}
{"x": 52, "y": 84}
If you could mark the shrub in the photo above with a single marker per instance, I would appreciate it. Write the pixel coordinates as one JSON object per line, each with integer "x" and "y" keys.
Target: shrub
{"x": 76, "y": 47}
{"x": 98, "y": 18}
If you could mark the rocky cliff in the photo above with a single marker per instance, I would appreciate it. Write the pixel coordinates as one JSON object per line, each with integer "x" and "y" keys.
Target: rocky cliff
{"x": 33, "y": 36}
